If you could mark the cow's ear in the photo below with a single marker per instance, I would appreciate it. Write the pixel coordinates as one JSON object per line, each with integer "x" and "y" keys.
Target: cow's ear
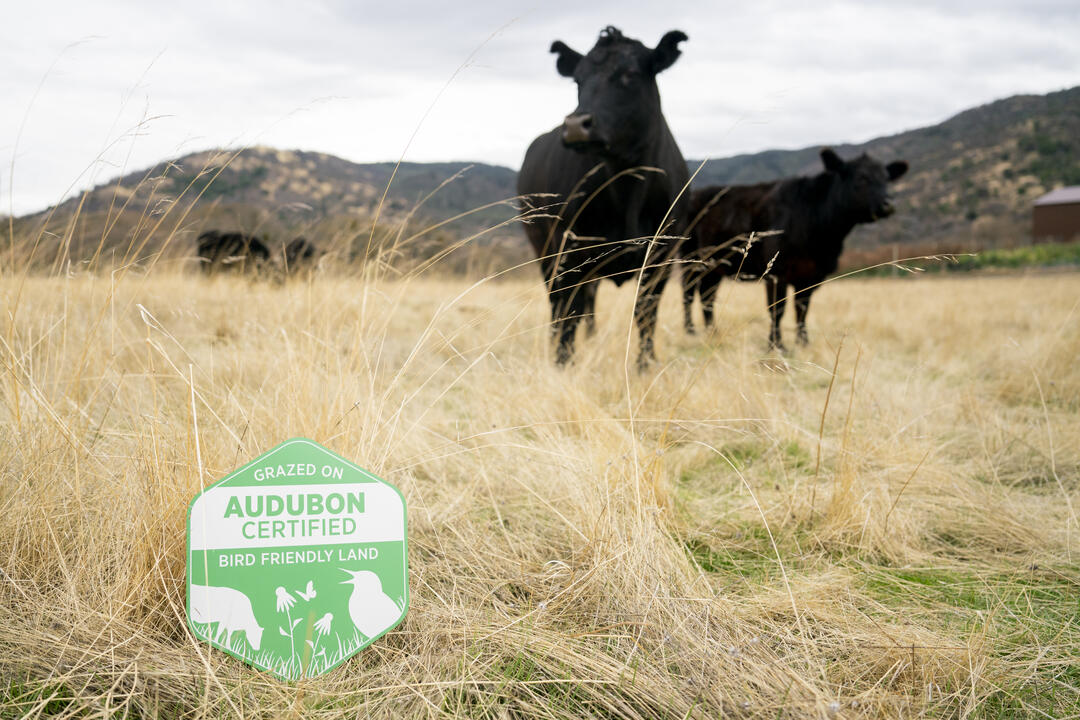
{"x": 896, "y": 169}
{"x": 568, "y": 58}
{"x": 667, "y": 51}
{"x": 832, "y": 161}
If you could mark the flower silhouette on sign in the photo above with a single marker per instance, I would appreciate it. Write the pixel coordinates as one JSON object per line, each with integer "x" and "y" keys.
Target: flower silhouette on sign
{"x": 285, "y": 601}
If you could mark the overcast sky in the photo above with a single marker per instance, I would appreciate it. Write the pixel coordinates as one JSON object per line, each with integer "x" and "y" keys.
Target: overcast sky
{"x": 93, "y": 89}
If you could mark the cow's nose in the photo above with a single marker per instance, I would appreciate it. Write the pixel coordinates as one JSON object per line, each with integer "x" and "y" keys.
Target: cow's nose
{"x": 576, "y": 128}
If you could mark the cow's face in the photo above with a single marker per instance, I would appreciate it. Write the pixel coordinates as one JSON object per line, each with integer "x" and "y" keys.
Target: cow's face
{"x": 618, "y": 108}
{"x": 863, "y": 190}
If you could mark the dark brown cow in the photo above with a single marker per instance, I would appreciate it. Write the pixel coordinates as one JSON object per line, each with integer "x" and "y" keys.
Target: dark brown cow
{"x": 232, "y": 252}
{"x": 613, "y": 174}
{"x": 299, "y": 255}
{"x": 812, "y": 215}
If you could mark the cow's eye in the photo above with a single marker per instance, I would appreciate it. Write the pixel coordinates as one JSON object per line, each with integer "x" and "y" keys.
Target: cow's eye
{"x": 626, "y": 79}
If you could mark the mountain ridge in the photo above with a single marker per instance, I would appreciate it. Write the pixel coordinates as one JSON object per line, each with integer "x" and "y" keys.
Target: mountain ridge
{"x": 972, "y": 180}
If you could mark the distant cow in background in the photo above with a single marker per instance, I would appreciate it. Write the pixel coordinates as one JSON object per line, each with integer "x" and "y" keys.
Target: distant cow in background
{"x": 813, "y": 216}
{"x": 231, "y": 252}
{"x": 614, "y": 175}
{"x": 299, "y": 255}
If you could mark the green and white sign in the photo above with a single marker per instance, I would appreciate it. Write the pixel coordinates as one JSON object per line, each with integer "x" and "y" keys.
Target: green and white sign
{"x": 296, "y": 561}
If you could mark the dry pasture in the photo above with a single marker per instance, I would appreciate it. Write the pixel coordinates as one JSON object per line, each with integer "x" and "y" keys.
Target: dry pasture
{"x": 879, "y": 525}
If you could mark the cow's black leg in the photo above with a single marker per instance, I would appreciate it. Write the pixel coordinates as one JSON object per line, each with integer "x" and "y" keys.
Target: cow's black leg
{"x": 589, "y": 309}
{"x": 564, "y": 332}
{"x": 708, "y": 299}
{"x": 548, "y": 270}
{"x": 775, "y": 296}
{"x": 563, "y": 326}
{"x": 802, "y": 305}
{"x": 567, "y": 308}
{"x": 689, "y": 289}
{"x": 645, "y": 309}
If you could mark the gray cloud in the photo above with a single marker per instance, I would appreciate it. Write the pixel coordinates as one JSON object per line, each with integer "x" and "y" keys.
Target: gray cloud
{"x": 354, "y": 79}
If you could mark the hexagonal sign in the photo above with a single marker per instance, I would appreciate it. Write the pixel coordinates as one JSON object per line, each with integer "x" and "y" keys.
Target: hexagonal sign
{"x": 296, "y": 561}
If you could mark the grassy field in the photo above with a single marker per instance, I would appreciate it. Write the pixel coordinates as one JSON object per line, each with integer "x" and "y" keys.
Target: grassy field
{"x": 1051, "y": 255}
{"x": 882, "y": 524}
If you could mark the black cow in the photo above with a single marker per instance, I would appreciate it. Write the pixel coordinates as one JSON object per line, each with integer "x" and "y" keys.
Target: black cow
{"x": 231, "y": 251}
{"x": 614, "y": 177}
{"x": 299, "y": 255}
{"x": 812, "y": 215}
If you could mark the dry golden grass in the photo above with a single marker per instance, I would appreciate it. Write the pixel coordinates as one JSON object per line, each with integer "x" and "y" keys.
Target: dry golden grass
{"x": 690, "y": 542}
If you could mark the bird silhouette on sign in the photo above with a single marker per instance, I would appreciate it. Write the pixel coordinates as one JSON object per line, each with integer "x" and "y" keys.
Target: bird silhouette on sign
{"x": 309, "y": 593}
{"x": 370, "y": 609}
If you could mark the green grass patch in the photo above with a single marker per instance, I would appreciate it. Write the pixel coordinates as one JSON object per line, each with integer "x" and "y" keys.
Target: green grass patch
{"x": 797, "y": 456}
{"x": 750, "y": 565}
{"x": 1046, "y": 255}
{"x": 747, "y": 556}
{"x": 520, "y": 667}
{"x": 740, "y": 454}
{"x": 1029, "y": 620}
{"x": 18, "y": 700}
{"x": 521, "y": 686}
{"x": 1043, "y": 600}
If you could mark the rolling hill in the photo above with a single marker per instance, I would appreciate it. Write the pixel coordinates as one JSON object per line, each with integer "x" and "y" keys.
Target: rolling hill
{"x": 971, "y": 183}
{"x": 972, "y": 177}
